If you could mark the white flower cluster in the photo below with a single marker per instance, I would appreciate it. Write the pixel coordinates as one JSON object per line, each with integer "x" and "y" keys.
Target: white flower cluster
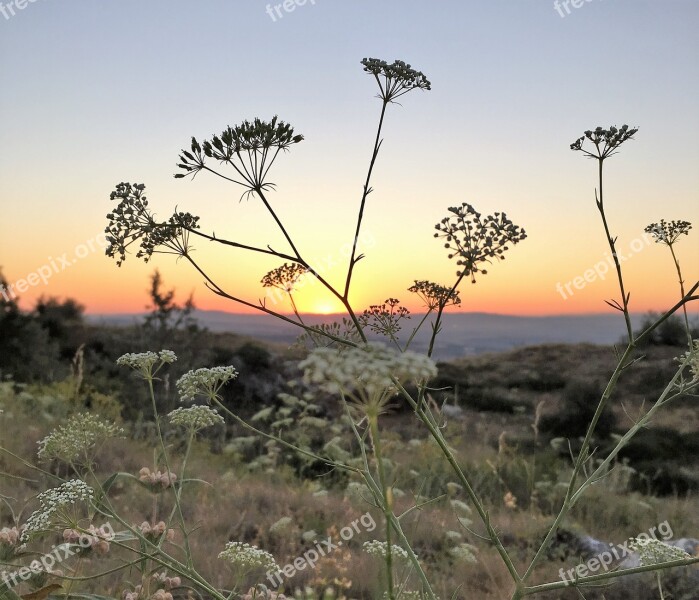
{"x": 196, "y": 417}
{"x": 143, "y": 362}
{"x": 204, "y": 382}
{"x": 247, "y": 557}
{"x": 371, "y": 367}
{"x": 652, "y": 551}
{"x": 464, "y": 553}
{"x": 52, "y": 501}
{"x": 377, "y": 548}
{"x": 74, "y": 439}
{"x": 693, "y": 360}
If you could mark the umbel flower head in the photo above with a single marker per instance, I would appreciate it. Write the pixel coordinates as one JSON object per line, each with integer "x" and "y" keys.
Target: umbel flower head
{"x": 385, "y": 318}
{"x": 435, "y": 295}
{"x": 132, "y": 221}
{"x": 692, "y": 359}
{"x": 285, "y": 277}
{"x": 605, "y": 142}
{"x": 474, "y": 240}
{"x": 395, "y": 79}
{"x": 247, "y": 558}
{"x": 380, "y": 549}
{"x": 250, "y": 148}
{"x": 204, "y": 382}
{"x": 147, "y": 364}
{"x": 55, "y": 504}
{"x": 195, "y": 418}
{"x": 652, "y": 551}
{"x": 367, "y": 374}
{"x": 78, "y": 437}
{"x": 668, "y": 232}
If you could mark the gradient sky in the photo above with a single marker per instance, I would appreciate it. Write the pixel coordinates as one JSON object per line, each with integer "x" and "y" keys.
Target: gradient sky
{"x": 94, "y": 93}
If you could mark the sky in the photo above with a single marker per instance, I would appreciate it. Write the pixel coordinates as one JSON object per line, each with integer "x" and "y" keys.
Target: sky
{"x": 95, "y": 93}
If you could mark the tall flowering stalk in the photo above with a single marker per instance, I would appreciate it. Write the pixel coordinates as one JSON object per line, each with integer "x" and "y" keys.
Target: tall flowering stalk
{"x": 604, "y": 143}
{"x": 669, "y": 233}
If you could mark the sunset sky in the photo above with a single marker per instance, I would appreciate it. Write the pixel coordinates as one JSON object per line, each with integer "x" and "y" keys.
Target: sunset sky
{"x": 94, "y": 93}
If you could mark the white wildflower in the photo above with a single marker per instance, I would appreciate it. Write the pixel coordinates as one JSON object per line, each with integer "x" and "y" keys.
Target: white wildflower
{"x": 692, "y": 359}
{"x": 377, "y": 548}
{"x": 195, "y": 418}
{"x": 464, "y": 553}
{"x": 368, "y": 370}
{"x": 204, "y": 382}
{"x": 654, "y": 552}
{"x": 77, "y": 437}
{"x": 53, "y": 502}
{"x": 248, "y": 557}
{"x": 143, "y": 362}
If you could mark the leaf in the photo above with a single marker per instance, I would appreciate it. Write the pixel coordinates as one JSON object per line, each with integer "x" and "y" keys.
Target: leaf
{"x": 41, "y": 594}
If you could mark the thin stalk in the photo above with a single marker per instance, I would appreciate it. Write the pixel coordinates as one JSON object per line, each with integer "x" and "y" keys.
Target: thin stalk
{"x": 684, "y": 306}
{"x": 169, "y": 471}
{"x": 367, "y": 190}
{"x": 612, "y": 247}
{"x": 395, "y": 521}
{"x": 466, "y": 484}
{"x": 580, "y": 461}
{"x": 440, "y": 310}
{"x": 387, "y": 508}
{"x": 602, "y": 577}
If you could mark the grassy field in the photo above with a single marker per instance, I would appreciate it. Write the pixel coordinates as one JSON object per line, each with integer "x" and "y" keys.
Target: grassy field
{"x": 506, "y": 416}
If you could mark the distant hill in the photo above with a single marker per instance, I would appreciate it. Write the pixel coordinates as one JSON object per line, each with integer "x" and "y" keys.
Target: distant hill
{"x": 462, "y": 334}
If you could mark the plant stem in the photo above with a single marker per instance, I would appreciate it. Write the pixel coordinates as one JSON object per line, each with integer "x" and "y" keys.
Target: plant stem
{"x": 684, "y": 306}
{"x": 180, "y": 515}
{"x": 387, "y": 508}
{"x": 612, "y": 247}
{"x": 367, "y": 190}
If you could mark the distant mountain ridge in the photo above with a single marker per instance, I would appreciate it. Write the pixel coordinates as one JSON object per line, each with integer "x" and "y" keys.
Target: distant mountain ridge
{"x": 462, "y": 333}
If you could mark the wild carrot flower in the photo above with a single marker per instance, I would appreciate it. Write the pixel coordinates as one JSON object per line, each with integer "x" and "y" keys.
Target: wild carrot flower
{"x": 54, "y": 503}
{"x": 247, "y": 557}
{"x": 285, "y": 277}
{"x": 365, "y": 372}
{"x": 147, "y": 364}
{"x": 692, "y": 358}
{"x": 395, "y": 79}
{"x": 385, "y": 318}
{"x": 668, "y": 232}
{"x": 473, "y": 240}
{"x": 605, "y": 141}
{"x": 204, "y": 382}
{"x": 250, "y": 148}
{"x": 380, "y": 549}
{"x": 652, "y": 551}
{"x": 195, "y": 418}
{"x": 133, "y": 222}
{"x": 74, "y": 440}
{"x": 435, "y": 295}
